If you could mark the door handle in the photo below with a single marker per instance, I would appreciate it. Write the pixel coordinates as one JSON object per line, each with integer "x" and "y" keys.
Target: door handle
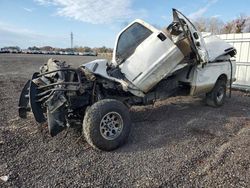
{"x": 161, "y": 36}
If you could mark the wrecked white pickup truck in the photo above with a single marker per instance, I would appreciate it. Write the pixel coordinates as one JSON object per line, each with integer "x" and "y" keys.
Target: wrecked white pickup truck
{"x": 148, "y": 65}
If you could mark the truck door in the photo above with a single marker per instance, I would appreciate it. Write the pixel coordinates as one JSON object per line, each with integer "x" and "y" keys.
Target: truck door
{"x": 151, "y": 50}
{"x": 145, "y": 55}
{"x": 195, "y": 38}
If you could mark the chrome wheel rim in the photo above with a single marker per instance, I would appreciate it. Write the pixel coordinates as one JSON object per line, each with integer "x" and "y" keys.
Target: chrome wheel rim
{"x": 111, "y": 125}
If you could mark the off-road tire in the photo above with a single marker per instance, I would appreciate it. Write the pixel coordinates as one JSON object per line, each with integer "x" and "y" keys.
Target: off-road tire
{"x": 92, "y": 122}
{"x": 216, "y": 97}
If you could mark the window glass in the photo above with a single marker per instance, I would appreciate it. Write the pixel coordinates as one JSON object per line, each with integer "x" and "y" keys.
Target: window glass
{"x": 129, "y": 40}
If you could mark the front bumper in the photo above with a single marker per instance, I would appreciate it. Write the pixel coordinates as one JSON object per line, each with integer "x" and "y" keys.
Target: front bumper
{"x": 47, "y": 101}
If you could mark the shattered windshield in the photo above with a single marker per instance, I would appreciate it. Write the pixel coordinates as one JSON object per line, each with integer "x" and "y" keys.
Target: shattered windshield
{"x": 129, "y": 40}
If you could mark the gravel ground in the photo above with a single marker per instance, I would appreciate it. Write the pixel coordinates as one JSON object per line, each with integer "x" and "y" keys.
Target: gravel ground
{"x": 179, "y": 142}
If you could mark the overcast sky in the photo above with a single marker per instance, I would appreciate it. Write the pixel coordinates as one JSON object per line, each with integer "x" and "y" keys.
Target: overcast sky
{"x": 95, "y": 23}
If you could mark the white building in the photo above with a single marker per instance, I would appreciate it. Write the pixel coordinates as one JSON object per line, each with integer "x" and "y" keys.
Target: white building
{"x": 241, "y": 41}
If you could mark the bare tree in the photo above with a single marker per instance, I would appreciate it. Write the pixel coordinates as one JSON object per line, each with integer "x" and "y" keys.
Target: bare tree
{"x": 216, "y": 26}
{"x": 213, "y": 25}
{"x": 201, "y": 24}
{"x": 239, "y": 25}
{"x": 228, "y": 28}
{"x": 246, "y": 28}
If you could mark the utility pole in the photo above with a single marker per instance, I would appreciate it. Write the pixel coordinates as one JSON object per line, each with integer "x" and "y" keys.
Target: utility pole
{"x": 71, "y": 40}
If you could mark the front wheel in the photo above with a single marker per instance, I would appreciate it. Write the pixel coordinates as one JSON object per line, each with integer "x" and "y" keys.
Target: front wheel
{"x": 106, "y": 124}
{"x": 216, "y": 97}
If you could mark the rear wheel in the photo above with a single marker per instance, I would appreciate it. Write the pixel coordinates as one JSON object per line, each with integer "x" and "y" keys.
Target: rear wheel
{"x": 216, "y": 97}
{"x": 106, "y": 124}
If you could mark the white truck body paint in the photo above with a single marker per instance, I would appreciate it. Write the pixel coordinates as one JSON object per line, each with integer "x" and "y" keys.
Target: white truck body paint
{"x": 99, "y": 66}
{"x": 205, "y": 78}
{"x": 155, "y": 59}
{"x": 215, "y": 46}
{"x": 152, "y": 60}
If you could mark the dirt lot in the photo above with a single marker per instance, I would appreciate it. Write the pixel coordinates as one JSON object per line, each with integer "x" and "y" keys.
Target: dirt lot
{"x": 179, "y": 142}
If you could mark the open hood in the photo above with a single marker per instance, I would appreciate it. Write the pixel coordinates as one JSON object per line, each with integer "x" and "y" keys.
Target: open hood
{"x": 207, "y": 47}
{"x": 193, "y": 35}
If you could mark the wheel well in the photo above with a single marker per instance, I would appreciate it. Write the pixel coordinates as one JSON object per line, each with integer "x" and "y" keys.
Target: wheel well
{"x": 222, "y": 77}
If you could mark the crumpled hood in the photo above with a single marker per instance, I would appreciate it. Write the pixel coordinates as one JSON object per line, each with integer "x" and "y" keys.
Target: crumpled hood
{"x": 217, "y": 47}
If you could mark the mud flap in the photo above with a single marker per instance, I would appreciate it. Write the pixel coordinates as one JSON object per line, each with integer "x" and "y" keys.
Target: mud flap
{"x": 23, "y": 105}
{"x": 35, "y": 106}
{"x": 56, "y": 121}
{"x": 56, "y": 112}
{"x": 24, "y": 100}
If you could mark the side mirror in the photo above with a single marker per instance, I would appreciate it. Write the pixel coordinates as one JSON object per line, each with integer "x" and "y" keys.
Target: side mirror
{"x": 196, "y": 36}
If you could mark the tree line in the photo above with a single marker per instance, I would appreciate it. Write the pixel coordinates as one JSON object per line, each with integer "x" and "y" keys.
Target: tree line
{"x": 217, "y": 26}
{"x": 213, "y": 25}
{"x": 75, "y": 49}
